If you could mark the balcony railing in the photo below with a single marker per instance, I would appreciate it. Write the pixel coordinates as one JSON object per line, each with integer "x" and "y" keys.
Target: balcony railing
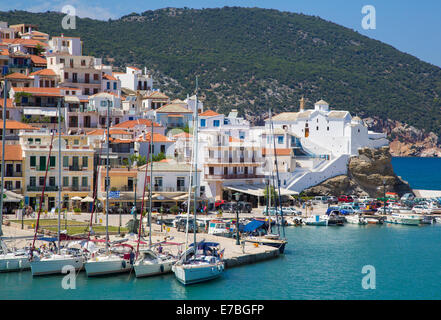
{"x": 232, "y": 176}
{"x": 13, "y": 174}
{"x": 75, "y": 168}
{"x": 76, "y": 188}
{"x": 40, "y": 188}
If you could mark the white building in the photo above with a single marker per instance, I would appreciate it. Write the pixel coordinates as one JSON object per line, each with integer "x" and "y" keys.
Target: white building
{"x": 66, "y": 45}
{"x": 134, "y": 79}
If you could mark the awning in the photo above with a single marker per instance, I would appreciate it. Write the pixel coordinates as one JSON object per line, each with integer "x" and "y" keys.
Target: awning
{"x": 76, "y": 198}
{"x": 87, "y": 199}
{"x": 9, "y": 196}
{"x": 257, "y": 190}
{"x": 72, "y": 99}
{"x": 48, "y": 112}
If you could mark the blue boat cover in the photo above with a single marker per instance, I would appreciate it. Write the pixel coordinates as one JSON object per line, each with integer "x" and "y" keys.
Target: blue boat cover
{"x": 48, "y": 239}
{"x": 253, "y": 225}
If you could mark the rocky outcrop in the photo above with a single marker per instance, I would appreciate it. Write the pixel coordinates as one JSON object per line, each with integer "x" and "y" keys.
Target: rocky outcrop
{"x": 406, "y": 140}
{"x": 365, "y": 176}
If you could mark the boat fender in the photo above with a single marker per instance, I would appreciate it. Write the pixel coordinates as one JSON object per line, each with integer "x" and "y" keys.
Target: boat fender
{"x": 213, "y": 270}
{"x": 123, "y": 263}
{"x": 161, "y": 268}
{"x": 219, "y": 267}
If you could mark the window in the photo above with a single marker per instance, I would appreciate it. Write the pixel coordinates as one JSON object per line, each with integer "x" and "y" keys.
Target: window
{"x": 65, "y": 161}
{"x": 65, "y": 181}
{"x": 203, "y": 122}
{"x": 75, "y": 181}
{"x": 33, "y": 161}
{"x": 18, "y": 168}
{"x": 158, "y": 184}
{"x": 32, "y": 181}
{"x": 108, "y": 85}
{"x": 327, "y": 128}
{"x": 95, "y": 77}
{"x": 211, "y": 171}
{"x": 42, "y": 163}
{"x": 17, "y": 185}
{"x": 280, "y": 139}
{"x": 85, "y": 162}
{"x": 52, "y": 161}
{"x": 86, "y": 91}
{"x": 66, "y": 75}
{"x": 84, "y": 181}
{"x": 317, "y": 128}
{"x": 216, "y": 123}
{"x": 40, "y": 181}
{"x": 180, "y": 184}
{"x": 114, "y": 86}
{"x": 83, "y": 62}
{"x": 52, "y": 181}
{"x": 163, "y": 148}
{"x": 76, "y": 142}
{"x": 95, "y": 91}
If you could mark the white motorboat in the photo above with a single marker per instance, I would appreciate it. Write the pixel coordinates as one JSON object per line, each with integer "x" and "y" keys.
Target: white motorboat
{"x": 47, "y": 263}
{"x": 356, "y": 219}
{"x": 119, "y": 259}
{"x": 316, "y": 220}
{"x": 150, "y": 263}
{"x": 218, "y": 227}
{"x": 405, "y": 219}
{"x": 195, "y": 268}
{"x": 13, "y": 260}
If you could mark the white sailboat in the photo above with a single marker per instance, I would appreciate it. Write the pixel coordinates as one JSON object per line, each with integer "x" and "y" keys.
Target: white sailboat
{"x": 195, "y": 266}
{"x": 13, "y": 260}
{"x": 47, "y": 262}
{"x": 151, "y": 263}
{"x": 118, "y": 259}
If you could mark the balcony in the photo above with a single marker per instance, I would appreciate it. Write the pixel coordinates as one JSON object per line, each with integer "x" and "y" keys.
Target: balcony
{"x": 232, "y": 176}
{"x": 40, "y": 188}
{"x": 13, "y": 174}
{"x": 75, "y": 168}
{"x": 76, "y": 188}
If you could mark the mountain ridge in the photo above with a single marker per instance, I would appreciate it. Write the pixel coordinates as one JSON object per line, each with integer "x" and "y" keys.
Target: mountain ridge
{"x": 252, "y": 59}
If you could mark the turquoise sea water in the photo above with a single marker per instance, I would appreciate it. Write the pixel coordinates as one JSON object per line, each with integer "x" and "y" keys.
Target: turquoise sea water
{"x": 319, "y": 263}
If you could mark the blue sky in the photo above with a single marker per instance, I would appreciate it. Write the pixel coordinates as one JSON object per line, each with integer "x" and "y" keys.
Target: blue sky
{"x": 408, "y": 25}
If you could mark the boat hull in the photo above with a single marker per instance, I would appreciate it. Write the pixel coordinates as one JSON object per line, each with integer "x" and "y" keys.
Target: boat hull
{"x": 188, "y": 274}
{"x": 11, "y": 263}
{"x": 106, "y": 267}
{"x": 152, "y": 269}
{"x": 403, "y": 221}
{"x": 55, "y": 266}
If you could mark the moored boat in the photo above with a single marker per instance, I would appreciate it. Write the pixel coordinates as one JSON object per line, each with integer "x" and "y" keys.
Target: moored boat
{"x": 151, "y": 263}
{"x": 404, "y": 219}
{"x": 119, "y": 259}
{"x": 316, "y": 220}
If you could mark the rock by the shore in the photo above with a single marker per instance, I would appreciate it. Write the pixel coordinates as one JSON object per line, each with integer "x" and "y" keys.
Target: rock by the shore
{"x": 366, "y": 173}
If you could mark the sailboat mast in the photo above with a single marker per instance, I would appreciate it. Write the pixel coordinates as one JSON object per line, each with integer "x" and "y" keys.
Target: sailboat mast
{"x": 150, "y": 188}
{"x": 195, "y": 167}
{"x": 277, "y": 172}
{"x": 107, "y": 177}
{"x": 59, "y": 173}
{"x": 5, "y": 96}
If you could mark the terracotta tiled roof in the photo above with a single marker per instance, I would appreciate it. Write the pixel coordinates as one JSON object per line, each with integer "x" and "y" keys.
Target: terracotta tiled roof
{"x": 279, "y": 152}
{"x": 25, "y": 42}
{"x": 9, "y": 103}
{"x": 15, "y": 125}
{"x": 209, "y": 113}
{"x": 100, "y": 132}
{"x": 183, "y": 135}
{"x": 109, "y": 77}
{"x": 157, "y": 137}
{"x": 17, "y": 75}
{"x": 55, "y": 92}
{"x": 44, "y": 72}
{"x": 4, "y": 52}
{"x": 13, "y": 152}
{"x": 38, "y": 60}
{"x": 132, "y": 123}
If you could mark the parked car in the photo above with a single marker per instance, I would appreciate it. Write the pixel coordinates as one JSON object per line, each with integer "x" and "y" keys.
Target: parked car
{"x": 407, "y": 197}
{"x": 320, "y": 200}
{"x": 364, "y": 199}
{"x": 345, "y": 199}
{"x": 332, "y": 200}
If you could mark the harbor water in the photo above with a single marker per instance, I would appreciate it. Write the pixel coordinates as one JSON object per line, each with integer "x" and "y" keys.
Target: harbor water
{"x": 319, "y": 263}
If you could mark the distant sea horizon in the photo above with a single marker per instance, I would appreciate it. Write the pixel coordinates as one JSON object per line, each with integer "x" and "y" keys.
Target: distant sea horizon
{"x": 420, "y": 172}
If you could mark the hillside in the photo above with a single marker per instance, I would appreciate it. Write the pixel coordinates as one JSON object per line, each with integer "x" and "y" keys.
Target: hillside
{"x": 253, "y": 59}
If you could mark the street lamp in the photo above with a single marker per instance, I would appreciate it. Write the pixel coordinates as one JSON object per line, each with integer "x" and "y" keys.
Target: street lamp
{"x": 237, "y": 197}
